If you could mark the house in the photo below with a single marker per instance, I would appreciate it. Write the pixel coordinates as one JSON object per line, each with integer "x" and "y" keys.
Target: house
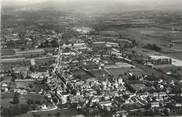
{"x": 95, "y": 99}
{"x": 30, "y": 53}
{"x": 7, "y": 52}
{"x": 79, "y": 45}
{"x": 112, "y": 44}
{"x": 106, "y": 105}
{"x": 20, "y": 91}
{"x": 4, "y": 87}
{"x": 138, "y": 87}
{"x": 159, "y": 60}
{"x": 76, "y": 99}
{"x": 155, "y": 105}
{"x": 64, "y": 98}
{"x": 102, "y": 47}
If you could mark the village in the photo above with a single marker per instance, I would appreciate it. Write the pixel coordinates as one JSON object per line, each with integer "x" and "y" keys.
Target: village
{"x": 94, "y": 76}
{"x": 93, "y": 58}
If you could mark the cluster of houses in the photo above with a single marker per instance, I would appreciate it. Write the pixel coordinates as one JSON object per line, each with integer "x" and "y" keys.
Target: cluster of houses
{"x": 97, "y": 77}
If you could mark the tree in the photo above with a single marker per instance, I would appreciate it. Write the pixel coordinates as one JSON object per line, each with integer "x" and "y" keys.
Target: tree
{"x": 16, "y": 98}
{"x": 29, "y": 102}
{"x": 57, "y": 114}
{"x": 35, "y": 115}
{"x": 54, "y": 43}
{"x": 13, "y": 76}
{"x": 152, "y": 47}
{"x": 134, "y": 43}
{"x": 14, "y": 110}
{"x": 38, "y": 102}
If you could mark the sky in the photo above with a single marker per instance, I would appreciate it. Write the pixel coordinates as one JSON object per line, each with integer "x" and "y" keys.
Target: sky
{"x": 125, "y": 1}
{"x": 143, "y": 3}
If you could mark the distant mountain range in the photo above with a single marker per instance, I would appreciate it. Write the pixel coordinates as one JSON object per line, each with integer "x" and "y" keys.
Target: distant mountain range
{"x": 92, "y": 6}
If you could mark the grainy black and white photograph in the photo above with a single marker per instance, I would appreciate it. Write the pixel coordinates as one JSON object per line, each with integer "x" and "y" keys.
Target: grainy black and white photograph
{"x": 91, "y": 58}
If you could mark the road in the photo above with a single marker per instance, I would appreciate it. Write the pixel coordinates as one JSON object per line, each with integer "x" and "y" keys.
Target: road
{"x": 42, "y": 110}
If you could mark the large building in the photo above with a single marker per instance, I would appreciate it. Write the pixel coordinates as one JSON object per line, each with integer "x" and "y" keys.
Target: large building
{"x": 159, "y": 60}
